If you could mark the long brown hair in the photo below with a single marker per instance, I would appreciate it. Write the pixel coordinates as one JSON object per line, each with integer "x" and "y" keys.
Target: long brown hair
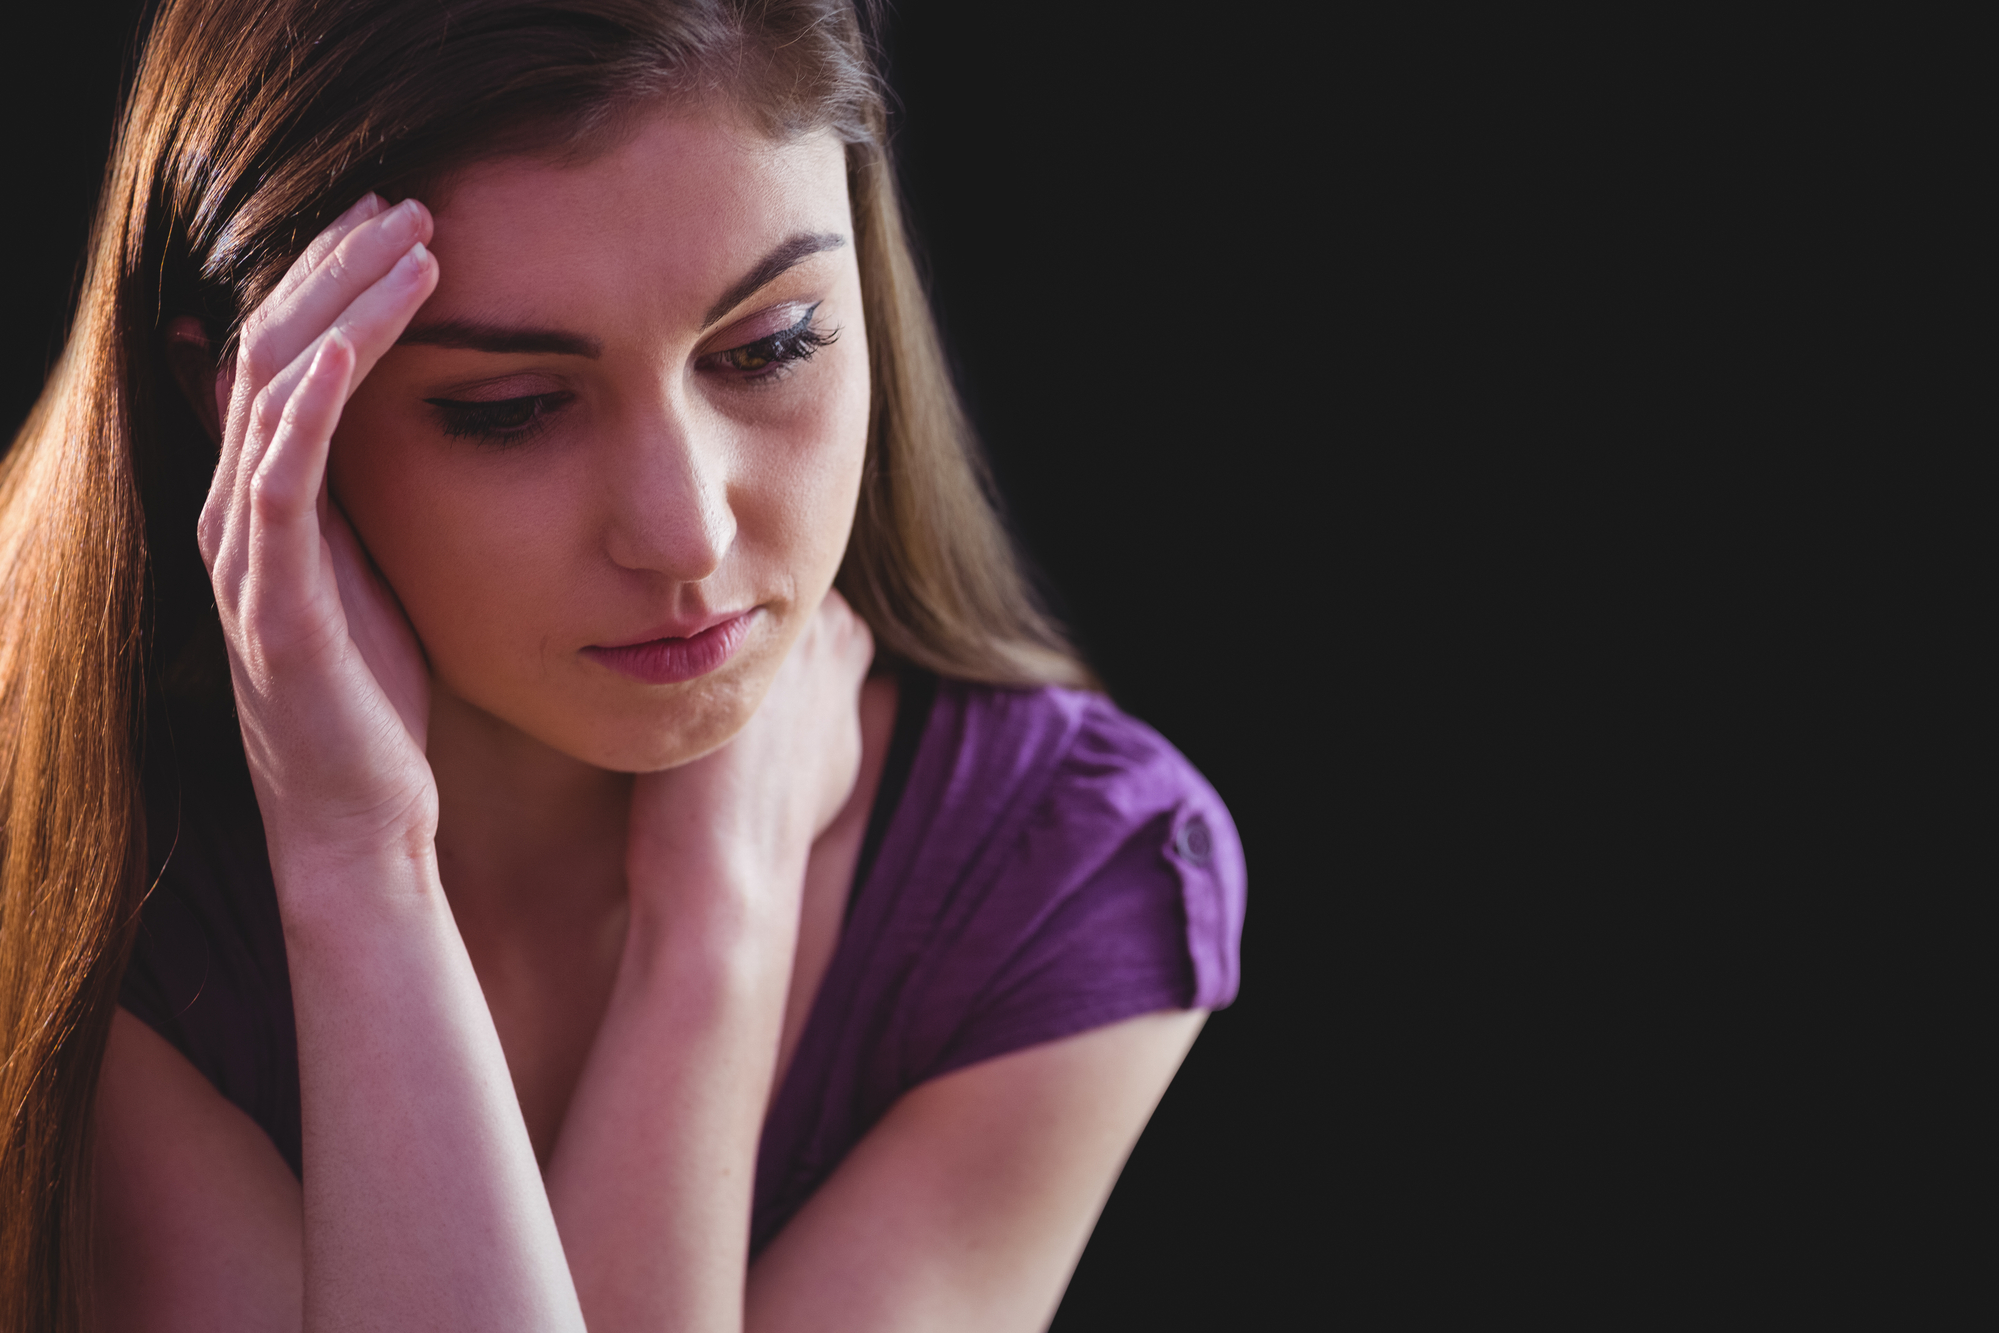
{"x": 250, "y": 125}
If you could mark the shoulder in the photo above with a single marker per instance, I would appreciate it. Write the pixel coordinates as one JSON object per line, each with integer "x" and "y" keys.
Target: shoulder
{"x": 1099, "y": 836}
{"x": 1069, "y": 744}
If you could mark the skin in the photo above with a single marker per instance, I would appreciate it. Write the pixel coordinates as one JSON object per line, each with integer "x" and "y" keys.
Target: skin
{"x": 554, "y": 931}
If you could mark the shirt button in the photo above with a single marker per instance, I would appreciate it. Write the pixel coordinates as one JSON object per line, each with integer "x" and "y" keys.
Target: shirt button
{"x": 1193, "y": 841}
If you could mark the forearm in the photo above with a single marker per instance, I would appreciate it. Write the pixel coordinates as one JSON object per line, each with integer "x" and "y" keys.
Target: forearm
{"x": 423, "y": 1206}
{"x": 651, "y": 1181}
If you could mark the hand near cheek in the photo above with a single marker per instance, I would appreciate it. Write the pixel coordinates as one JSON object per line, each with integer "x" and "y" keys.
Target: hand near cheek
{"x": 330, "y": 682}
{"x": 759, "y": 801}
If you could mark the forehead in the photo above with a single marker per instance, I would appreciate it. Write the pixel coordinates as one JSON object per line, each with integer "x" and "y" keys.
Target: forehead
{"x": 672, "y": 213}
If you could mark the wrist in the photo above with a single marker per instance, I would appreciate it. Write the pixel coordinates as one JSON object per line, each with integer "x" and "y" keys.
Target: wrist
{"x": 724, "y": 902}
{"x": 335, "y": 884}
{"x": 311, "y": 837}
{"x": 708, "y": 977}
{"x": 704, "y": 868}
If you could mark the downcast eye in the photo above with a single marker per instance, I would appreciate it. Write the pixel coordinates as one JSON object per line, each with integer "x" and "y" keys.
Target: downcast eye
{"x": 780, "y": 349}
{"x": 505, "y": 420}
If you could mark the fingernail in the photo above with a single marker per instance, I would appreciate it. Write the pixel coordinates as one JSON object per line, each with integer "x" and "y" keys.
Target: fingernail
{"x": 326, "y": 346}
{"x": 411, "y": 265}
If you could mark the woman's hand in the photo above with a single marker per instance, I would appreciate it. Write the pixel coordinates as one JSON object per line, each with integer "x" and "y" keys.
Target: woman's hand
{"x": 684, "y": 1058}
{"x": 760, "y": 800}
{"x": 421, "y": 1205}
{"x": 331, "y": 686}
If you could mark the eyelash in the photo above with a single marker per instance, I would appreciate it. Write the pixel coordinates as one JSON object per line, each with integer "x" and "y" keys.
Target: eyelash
{"x": 778, "y": 353}
{"x": 505, "y": 421}
{"x": 518, "y": 420}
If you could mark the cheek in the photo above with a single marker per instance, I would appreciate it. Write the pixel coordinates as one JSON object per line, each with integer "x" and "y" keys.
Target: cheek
{"x": 821, "y": 461}
{"x": 794, "y": 478}
{"x": 504, "y": 564}
{"x": 464, "y": 551}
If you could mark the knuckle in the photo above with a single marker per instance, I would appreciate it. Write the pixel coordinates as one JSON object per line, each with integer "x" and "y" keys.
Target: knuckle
{"x": 310, "y": 257}
{"x": 339, "y": 266}
{"x": 256, "y": 354}
{"x": 316, "y": 253}
{"x": 267, "y": 494}
{"x": 252, "y": 348}
{"x": 266, "y": 412}
{"x": 252, "y": 632}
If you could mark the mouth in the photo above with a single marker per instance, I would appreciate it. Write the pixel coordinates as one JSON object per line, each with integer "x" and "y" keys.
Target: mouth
{"x": 667, "y": 659}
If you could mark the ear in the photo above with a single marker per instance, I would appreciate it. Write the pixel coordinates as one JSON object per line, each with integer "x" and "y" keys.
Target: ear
{"x": 191, "y": 358}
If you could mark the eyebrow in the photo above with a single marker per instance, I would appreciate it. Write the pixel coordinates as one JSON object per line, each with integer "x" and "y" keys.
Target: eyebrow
{"x": 786, "y": 256}
{"x": 479, "y": 336}
{"x": 482, "y": 337}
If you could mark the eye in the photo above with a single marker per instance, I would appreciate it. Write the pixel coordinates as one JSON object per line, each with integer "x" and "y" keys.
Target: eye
{"x": 772, "y": 355}
{"x": 502, "y": 421}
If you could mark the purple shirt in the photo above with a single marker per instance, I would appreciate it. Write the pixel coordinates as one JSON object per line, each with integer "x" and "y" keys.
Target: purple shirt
{"x": 1038, "y": 864}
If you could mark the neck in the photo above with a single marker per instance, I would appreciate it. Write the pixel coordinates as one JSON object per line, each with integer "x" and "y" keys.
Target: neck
{"x": 524, "y": 831}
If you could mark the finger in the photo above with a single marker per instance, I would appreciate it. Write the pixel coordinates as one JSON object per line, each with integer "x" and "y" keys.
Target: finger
{"x": 285, "y": 326}
{"x": 284, "y": 491}
{"x": 367, "y": 206}
{"x": 258, "y": 329}
{"x": 369, "y": 326}
{"x": 232, "y": 407}
{"x": 287, "y": 479}
{"x": 225, "y": 483}
{"x": 372, "y": 322}
{"x": 253, "y": 423}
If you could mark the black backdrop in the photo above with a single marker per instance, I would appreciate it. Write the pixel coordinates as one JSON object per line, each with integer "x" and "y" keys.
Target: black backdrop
{"x": 1398, "y": 414}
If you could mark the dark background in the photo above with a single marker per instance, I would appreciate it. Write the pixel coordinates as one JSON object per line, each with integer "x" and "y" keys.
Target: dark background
{"x": 1452, "y": 433}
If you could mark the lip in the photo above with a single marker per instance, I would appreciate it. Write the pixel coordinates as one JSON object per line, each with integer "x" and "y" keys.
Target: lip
{"x": 665, "y": 658}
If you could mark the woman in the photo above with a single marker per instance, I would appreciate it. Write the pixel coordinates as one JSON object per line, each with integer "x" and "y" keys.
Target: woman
{"x": 498, "y": 574}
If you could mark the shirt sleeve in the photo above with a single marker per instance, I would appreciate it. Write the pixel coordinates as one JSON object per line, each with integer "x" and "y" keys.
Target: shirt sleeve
{"x": 208, "y": 969}
{"x": 1123, "y": 895}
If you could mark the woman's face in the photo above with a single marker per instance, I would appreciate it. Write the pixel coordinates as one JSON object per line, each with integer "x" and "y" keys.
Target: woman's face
{"x": 611, "y": 467}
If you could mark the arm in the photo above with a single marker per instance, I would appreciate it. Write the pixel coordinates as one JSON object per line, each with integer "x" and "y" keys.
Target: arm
{"x": 422, "y": 1204}
{"x": 683, "y": 1064}
{"x": 201, "y": 1225}
{"x": 198, "y": 1221}
{"x": 967, "y": 1207}
{"x": 651, "y": 1178}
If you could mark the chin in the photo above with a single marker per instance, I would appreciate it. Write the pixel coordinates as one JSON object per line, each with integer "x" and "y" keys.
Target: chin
{"x": 624, "y": 725}
{"x": 656, "y": 734}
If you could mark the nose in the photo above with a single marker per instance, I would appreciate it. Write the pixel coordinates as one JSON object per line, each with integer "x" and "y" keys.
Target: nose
{"x": 668, "y": 498}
